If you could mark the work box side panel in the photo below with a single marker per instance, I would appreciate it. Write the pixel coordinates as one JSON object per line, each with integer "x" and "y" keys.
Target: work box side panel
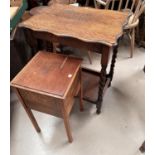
{"x": 42, "y": 103}
{"x": 74, "y": 89}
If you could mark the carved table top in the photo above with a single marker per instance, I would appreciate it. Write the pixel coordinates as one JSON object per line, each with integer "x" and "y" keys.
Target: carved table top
{"x": 86, "y": 24}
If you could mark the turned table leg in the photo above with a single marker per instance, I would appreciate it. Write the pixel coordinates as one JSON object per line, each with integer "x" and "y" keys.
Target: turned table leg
{"x": 101, "y": 87}
{"x": 103, "y": 78}
{"x": 113, "y": 61}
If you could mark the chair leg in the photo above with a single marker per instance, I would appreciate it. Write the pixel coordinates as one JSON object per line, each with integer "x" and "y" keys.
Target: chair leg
{"x": 132, "y": 42}
{"x": 89, "y": 56}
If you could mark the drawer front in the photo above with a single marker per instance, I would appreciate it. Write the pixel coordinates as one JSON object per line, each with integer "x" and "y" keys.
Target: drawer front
{"x": 42, "y": 103}
{"x": 69, "y": 100}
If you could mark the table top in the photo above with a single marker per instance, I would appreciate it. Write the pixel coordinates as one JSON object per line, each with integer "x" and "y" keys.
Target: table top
{"x": 48, "y": 74}
{"x": 86, "y": 24}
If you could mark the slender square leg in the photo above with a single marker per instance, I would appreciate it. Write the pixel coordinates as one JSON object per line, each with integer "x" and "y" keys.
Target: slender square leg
{"x": 67, "y": 125}
{"x": 28, "y": 111}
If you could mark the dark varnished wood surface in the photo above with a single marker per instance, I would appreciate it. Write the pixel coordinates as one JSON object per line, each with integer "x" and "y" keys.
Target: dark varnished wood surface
{"x": 86, "y": 24}
{"x": 48, "y": 83}
{"x": 56, "y": 70}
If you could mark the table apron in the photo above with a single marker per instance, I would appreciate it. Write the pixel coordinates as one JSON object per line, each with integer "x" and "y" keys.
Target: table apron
{"x": 68, "y": 41}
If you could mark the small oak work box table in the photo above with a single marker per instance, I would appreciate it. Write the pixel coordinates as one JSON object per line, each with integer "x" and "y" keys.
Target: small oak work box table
{"x": 48, "y": 83}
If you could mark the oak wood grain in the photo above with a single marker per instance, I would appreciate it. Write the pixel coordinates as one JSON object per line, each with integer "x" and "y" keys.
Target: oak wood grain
{"x": 86, "y": 24}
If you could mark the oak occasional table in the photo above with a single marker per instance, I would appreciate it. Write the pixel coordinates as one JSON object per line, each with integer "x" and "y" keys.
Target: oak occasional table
{"x": 48, "y": 83}
{"x": 83, "y": 28}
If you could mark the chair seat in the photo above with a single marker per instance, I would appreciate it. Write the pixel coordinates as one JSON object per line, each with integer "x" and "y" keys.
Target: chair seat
{"x": 13, "y": 11}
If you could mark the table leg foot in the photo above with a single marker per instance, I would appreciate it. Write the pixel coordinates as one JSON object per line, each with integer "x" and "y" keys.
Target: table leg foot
{"x": 98, "y": 111}
{"x": 142, "y": 148}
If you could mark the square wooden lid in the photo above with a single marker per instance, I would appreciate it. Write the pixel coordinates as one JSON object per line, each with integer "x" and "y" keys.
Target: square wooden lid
{"x": 48, "y": 73}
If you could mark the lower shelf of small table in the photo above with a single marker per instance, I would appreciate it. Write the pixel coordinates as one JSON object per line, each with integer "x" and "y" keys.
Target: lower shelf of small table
{"x": 90, "y": 81}
{"x": 90, "y": 86}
